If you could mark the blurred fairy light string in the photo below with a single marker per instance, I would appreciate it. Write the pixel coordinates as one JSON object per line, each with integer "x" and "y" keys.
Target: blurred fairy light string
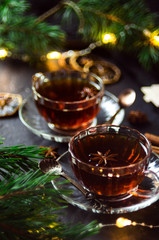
{"x": 153, "y": 37}
{"x": 110, "y": 38}
{"x": 107, "y": 38}
{"x": 150, "y": 38}
{"x": 122, "y": 222}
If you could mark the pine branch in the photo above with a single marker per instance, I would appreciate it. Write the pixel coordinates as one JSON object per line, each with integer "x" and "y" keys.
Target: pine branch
{"x": 32, "y": 36}
{"x": 17, "y": 159}
{"x": 50, "y": 12}
{"x": 24, "y": 34}
{"x": 28, "y": 32}
{"x": 31, "y": 206}
{"x": 10, "y": 9}
{"x": 127, "y": 19}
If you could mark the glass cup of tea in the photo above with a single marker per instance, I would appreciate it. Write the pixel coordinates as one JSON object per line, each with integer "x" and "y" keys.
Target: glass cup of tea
{"x": 68, "y": 100}
{"x": 111, "y": 161}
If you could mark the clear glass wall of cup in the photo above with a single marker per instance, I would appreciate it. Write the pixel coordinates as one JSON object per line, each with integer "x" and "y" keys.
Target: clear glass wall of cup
{"x": 111, "y": 161}
{"x": 68, "y": 100}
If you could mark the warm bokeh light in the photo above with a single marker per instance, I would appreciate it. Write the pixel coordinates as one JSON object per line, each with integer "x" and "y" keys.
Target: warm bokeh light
{"x": 152, "y": 36}
{"x": 109, "y": 38}
{"x": 3, "y": 53}
{"x": 122, "y": 222}
{"x": 53, "y": 55}
{"x": 155, "y": 40}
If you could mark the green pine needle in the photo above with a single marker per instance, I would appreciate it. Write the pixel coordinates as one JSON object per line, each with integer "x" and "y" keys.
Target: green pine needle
{"x": 29, "y": 204}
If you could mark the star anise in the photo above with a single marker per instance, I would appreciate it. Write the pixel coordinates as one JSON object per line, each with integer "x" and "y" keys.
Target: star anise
{"x": 49, "y": 161}
{"x": 51, "y": 152}
{"x": 87, "y": 92}
{"x": 103, "y": 158}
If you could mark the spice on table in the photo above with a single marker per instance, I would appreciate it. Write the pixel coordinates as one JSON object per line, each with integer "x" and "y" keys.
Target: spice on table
{"x": 50, "y": 156}
{"x": 155, "y": 149}
{"x": 154, "y": 140}
{"x": 137, "y": 117}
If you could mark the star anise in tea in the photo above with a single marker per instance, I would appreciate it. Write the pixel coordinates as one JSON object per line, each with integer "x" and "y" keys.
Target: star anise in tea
{"x": 87, "y": 93}
{"x": 103, "y": 158}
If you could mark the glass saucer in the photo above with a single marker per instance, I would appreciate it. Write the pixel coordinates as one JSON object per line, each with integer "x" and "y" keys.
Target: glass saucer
{"x": 30, "y": 117}
{"x": 131, "y": 204}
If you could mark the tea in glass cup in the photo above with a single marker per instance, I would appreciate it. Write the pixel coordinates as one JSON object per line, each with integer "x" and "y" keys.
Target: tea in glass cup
{"x": 110, "y": 161}
{"x": 67, "y": 100}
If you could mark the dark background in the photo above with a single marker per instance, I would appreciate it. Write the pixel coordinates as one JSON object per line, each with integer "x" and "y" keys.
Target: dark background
{"x": 40, "y": 6}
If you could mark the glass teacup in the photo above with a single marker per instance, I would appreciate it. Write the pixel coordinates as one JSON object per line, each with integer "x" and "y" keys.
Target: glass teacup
{"x": 68, "y": 100}
{"x": 111, "y": 161}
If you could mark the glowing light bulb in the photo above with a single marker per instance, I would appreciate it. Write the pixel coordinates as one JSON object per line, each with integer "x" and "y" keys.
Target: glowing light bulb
{"x": 109, "y": 38}
{"x": 155, "y": 40}
{"x": 122, "y": 222}
{"x": 53, "y": 55}
{"x": 3, "y": 53}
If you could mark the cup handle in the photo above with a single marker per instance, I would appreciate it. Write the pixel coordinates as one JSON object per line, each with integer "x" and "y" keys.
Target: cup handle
{"x": 148, "y": 193}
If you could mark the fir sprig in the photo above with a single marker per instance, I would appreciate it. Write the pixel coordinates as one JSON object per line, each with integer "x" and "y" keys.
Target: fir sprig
{"x": 127, "y": 19}
{"x": 23, "y": 34}
{"x": 32, "y": 36}
{"x": 30, "y": 206}
{"x": 17, "y": 159}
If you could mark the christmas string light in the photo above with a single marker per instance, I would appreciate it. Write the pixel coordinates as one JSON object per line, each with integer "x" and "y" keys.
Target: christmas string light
{"x": 123, "y": 222}
{"x": 3, "y": 53}
{"x": 109, "y": 72}
{"x": 155, "y": 41}
{"x": 154, "y": 38}
{"x": 53, "y": 55}
{"x": 69, "y": 58}
{"x": 109, "y": 38}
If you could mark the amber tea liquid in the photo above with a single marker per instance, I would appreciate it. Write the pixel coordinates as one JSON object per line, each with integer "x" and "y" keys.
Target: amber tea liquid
{"x": 103, "y": 179}
{"x": 62, "y": 92}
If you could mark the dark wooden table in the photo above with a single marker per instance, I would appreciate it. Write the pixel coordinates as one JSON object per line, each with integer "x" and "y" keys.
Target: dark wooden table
{"x": 15, "y": 77}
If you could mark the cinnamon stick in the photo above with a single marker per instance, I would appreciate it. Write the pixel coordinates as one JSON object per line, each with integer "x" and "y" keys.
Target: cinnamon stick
{"x": 154, "y": 139}
{"x": 155, "y": 149}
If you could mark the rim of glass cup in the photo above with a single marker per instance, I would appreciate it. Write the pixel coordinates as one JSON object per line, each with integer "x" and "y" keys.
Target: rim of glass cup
{"x": 148, "y": 153}
{"x": 42, "y": 76}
